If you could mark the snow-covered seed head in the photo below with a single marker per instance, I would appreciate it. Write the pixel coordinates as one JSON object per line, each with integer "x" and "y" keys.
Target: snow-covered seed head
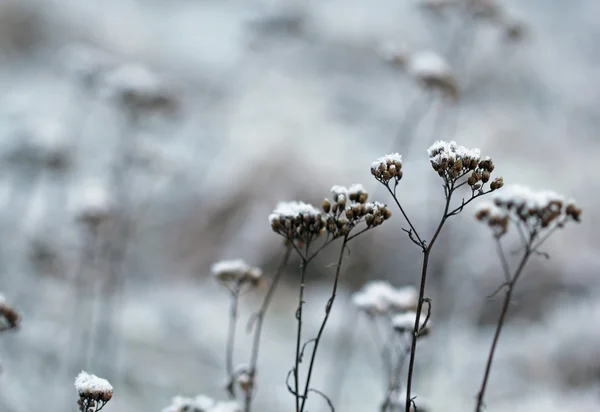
{"x": 536, "y": 209}
{"x": 433, "y": 72}
{"x": 452, "y": 162}
{"x": 9, "y": 317}
{"x": 200, "y": 403}
{"x": 95, "y": 204}
{"x": 236, "y": 272}
{"x": 298, "y": 221}
{"x": 387, "y": 167}
{"x": 245, "y": 381}
{"x": 405, "y": 322}
{"x": 393, "y": 53}
{"x": 141, "y": 90}
{"x": 94, "y": 392}
{"x": 379, "y": 297}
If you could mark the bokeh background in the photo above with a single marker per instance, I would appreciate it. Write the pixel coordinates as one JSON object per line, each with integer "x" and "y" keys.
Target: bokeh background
{"x": 279, "y": 100}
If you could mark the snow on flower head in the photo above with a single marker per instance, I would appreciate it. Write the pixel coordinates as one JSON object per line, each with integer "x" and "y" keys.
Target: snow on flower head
{"x": 387, "y": 167}
{"x": 139, "y": 88}
{"x": 538, "y": 209}
{"x": 236, "y": 271}
{"x": 339, "y": 193}
{"x": 453, "y": 162}
{"x": 378, "y": 297}
{"x": 433, "y": 72}
{"x": 200, "y": 403}
{"x": 91, "y": 387}
{"x": 405, "y": 322}
{"x": 297, "y": 221}
{"x": 95, "y": 204}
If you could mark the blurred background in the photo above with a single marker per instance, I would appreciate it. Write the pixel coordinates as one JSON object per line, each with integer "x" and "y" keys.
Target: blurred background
{"x": 143, "y": 140}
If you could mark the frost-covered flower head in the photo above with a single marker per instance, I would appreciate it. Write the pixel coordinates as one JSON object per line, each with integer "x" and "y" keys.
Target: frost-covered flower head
{"x": 387, "y": 167}
{"x": 201, "y": 403}
{"x": 298, "y": 221}
{"x": 379, "y": 297}
{"x": 9, "y": 317}
{"x": 350, "y": 207}
{"x": 236, "y": 272}
{"x": 535, "y": 209}
{"x": 140, "y": 89}
{"x": 433, "y": 72}
{"x": 94, "y": 392}
{"x": 452, "y": 162}
{"x": 405, "y": 322}
{"x": 393, "y": 53}
{"x": 94, "y": 204}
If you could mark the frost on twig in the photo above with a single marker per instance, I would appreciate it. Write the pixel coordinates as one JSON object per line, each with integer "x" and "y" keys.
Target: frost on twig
{"x": 9, "y": 317}
{"x": 94, "y": 392}
{"x": 201, "y": 403}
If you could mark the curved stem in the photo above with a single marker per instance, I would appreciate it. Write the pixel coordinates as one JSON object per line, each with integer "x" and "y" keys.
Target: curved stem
{"x": 299, "y": 332}
{"x": 501, "y": 320}
{"x": 324, "y": 323}
{"x": 259, "y": 319}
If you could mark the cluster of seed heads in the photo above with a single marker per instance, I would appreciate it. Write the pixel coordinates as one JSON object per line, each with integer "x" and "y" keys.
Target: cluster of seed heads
{"x": 481, "y": 174}
{"x": 298, "y": 221}
{"x": 387, "y": 168}
{"x": 536, "y": 210}
{"x": 349, "y": 206}
{"x": 236, "y": 273}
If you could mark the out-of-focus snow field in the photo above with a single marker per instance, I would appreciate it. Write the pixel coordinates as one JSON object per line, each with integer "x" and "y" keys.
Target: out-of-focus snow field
{"x": 280, "y": 100}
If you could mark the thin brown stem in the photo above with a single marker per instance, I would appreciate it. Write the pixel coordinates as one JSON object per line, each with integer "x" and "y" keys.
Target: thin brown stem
{"x": 412, "y": 228}
{"x": 259, "y": 321}
{"x": 328, "y": 307}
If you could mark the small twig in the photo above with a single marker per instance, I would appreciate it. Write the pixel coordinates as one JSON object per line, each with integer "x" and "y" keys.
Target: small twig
{"x": 412, "y": 228}
{"x": 258, "y": 318}
{"x": 329, "y": 403}
{"x": 299, "y": 331}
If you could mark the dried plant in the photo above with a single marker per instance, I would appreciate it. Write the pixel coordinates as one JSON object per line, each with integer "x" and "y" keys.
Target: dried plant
{"x": 302, "y": 225}
{"x": 457, "y": 166}
{"x": 535, "y": 216}
{"x": 94, "y": 392}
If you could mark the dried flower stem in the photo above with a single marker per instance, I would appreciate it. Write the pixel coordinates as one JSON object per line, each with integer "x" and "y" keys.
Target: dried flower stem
{"x": 259, "y": 318}
{"x": 529, "y": 249}
{"x": 299, "y": 331}
{"x": 233, "y": 317}
{"x": 328, "y": 307}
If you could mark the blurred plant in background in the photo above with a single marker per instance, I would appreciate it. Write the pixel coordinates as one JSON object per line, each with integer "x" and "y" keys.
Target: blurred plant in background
{"x": 143, "y": 141}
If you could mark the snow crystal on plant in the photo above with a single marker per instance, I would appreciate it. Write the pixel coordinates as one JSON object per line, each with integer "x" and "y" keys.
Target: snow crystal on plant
{"x": 230, "y": 406}
{"x": 340, "y": 193}
{"x": 230, "y": 266}
{"x": 89, "y": 385}
{"x": 441, "y": 150}
{"x": 356, "y": 189}
{"x": 385, "y": 160}
{"x": 427, "y": 64}
{"x": 380, "y": 296}
{"x": 405, "y": 322}
{"x": 292, "y": 210}
{"x": 522, "y": 196}
{"x": 200, "y": 403}
{"x": 490, "y": 209}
